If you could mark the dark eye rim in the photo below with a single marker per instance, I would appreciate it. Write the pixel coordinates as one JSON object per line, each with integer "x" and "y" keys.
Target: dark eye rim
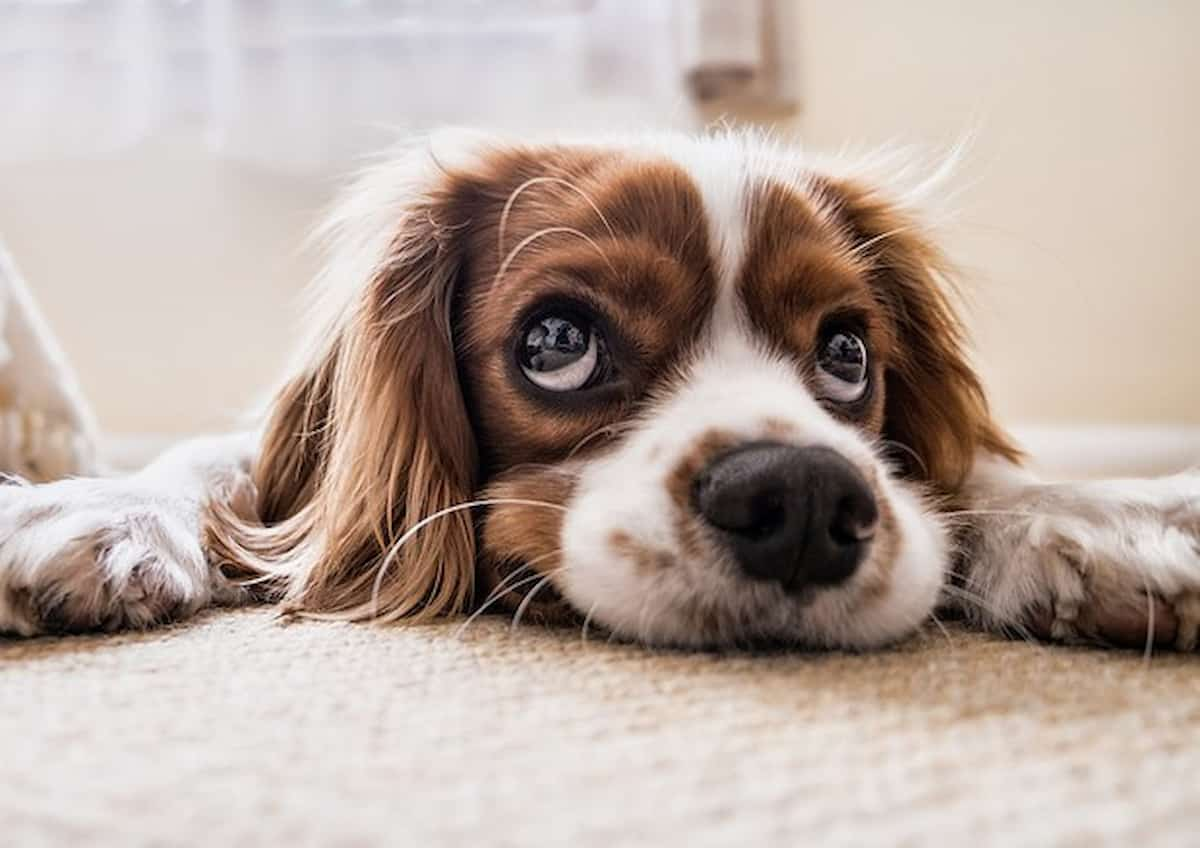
{"x": 610, "y": 389}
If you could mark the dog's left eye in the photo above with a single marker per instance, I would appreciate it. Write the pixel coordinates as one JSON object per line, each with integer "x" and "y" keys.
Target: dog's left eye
{"x": 842, "y": 367}
{"x": 561, "y": 353}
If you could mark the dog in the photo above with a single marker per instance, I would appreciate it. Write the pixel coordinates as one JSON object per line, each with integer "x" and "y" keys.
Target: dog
{"x": 701, "y": 392}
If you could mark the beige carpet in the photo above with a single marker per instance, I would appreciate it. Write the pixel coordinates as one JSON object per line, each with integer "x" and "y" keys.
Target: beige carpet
{"x": 239, "y": 731}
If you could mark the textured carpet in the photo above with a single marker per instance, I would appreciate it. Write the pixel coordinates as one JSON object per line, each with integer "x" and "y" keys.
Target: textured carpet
{"x": 236, "y": 730}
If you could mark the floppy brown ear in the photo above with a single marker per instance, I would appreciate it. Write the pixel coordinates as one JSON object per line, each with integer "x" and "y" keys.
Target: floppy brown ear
{"x": 371, "y": 438}
{"x": 935, "y": 404}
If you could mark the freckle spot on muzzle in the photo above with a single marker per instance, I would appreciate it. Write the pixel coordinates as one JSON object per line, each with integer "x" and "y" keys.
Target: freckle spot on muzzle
{"x": 646, "y": 559}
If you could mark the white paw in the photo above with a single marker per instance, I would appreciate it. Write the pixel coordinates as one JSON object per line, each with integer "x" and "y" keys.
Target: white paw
{"x": 1115, "y": 562}
{"x": 81, "y": 555}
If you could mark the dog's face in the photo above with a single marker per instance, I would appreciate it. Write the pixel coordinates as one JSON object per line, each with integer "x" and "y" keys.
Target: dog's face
{"x": 700, "y": 392}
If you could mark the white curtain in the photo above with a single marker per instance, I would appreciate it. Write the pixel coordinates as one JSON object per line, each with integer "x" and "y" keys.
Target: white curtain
{"x": 305, "y": 84}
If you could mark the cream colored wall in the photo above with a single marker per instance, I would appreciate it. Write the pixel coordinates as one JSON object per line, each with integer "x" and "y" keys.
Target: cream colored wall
{"x": 171, "y": 277}
{"x": 1079, "y": 223}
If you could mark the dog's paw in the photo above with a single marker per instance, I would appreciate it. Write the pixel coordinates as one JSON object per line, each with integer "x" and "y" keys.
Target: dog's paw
{"x": 80, "y": 555}
{"x": 1112, "y": 563}
{"x": 1130, "y": 585}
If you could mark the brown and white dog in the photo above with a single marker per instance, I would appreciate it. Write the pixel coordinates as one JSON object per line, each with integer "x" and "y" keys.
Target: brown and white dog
{"x": 693, "y": 391}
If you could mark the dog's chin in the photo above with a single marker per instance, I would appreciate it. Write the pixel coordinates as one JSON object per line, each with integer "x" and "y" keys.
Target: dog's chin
{"x": 753, "y": 617}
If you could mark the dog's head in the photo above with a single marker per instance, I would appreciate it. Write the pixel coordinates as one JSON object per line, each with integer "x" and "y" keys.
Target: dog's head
{"x": 694, "y": 391}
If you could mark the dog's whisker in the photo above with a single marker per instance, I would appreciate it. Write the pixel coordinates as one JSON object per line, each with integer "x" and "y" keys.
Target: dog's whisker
{"x": 546, "y": 231}
{"x": 394, "y": 549}
{"x": 960, "y": 513}
{"x": 644, "y": 616}
{"x": 1151, "y": 612}
{"x": 543, "y": 467}
{"x": 512, "y": 581}
{"x": 546, "y": 578}
{"x": 606, "y": 430}
{"x": 532, "y": 181}
{"x": 975, "y": 599}
{"x": 861, "y": 249}
{"x": 909, "y": 451}
{"x": 505, "y": 587}
{"x": 587, "y": 620}
{"x": 525, "y": 566}
{"x": 942, "y": 627}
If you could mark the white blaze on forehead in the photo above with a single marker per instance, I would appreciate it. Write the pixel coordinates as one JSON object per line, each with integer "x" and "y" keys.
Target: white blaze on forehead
{"x": 720, "y": 170}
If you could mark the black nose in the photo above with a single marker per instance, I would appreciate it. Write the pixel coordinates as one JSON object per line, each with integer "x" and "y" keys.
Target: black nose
{"x": 796, "y": 515}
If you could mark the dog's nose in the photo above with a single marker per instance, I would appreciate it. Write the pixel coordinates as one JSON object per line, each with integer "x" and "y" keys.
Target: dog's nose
{"x": 796, "y": 515}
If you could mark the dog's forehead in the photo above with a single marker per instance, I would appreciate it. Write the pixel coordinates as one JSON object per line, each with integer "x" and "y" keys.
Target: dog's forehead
{"x": 782, "y": 254}
{"x": 733, "y": 216}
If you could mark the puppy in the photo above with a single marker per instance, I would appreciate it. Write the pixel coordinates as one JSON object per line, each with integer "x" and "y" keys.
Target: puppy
{"x": 692, "y": 391}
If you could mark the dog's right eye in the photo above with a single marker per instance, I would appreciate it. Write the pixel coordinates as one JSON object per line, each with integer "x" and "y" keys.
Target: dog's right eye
{"x": 561, "y": 353}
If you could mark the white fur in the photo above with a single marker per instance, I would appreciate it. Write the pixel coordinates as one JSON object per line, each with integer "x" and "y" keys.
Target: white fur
{"x": 723, "y": 177}
{"x": 82, "y": 554}
{"x": 1064, "y": 546}
{"x": 738, "y": 389}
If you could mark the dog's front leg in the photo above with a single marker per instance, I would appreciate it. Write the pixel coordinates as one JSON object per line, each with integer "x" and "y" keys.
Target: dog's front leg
{"x": 1107, "y": 562}
{"x": 106, "y": 553}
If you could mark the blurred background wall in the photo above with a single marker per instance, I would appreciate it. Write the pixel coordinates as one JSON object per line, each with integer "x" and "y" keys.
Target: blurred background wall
{"x": 1076, "y": 226}
{"x": 170, "y": 272}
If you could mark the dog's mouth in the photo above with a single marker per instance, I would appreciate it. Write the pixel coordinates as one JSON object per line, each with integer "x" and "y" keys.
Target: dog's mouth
{"x": 526, "y": 596}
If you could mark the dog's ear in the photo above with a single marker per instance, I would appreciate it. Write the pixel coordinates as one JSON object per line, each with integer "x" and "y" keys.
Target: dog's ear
{"x": 935, "y": 404}
{"x": 369, "y": 449}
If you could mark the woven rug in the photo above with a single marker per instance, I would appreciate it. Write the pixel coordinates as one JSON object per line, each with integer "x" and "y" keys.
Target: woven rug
{"x": 238, "y": 730}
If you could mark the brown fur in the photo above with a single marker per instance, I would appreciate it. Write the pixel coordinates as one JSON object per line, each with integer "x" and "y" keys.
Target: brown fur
{"x": 800, "y": 272}
{"x": 410, "y": 407}
{"x": 637, "y": 254}
{"x": 370, "y": 439}
{"x": 376, "y": 434}
{"x": 935, "y": 405}
{"x": 520, "y": 541}
{"x": 645, "y": 559}
{"x": 688, "y": 529}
